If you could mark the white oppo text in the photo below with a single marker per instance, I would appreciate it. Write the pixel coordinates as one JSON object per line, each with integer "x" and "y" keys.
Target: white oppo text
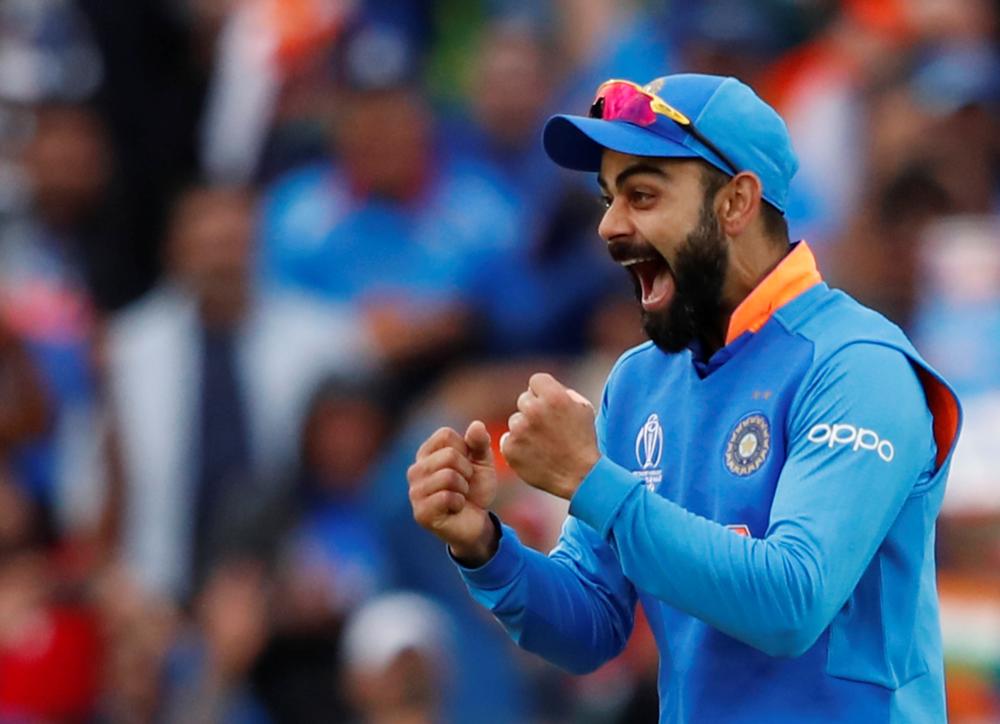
{"x": 858, "y": 438}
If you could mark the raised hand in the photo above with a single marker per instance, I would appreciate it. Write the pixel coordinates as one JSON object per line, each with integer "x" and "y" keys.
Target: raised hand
{"x": 453, "y": 483}
{"x": 551, "y": 443}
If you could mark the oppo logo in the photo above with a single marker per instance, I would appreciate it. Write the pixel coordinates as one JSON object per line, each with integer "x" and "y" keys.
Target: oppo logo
{"x": 858, "y": 438}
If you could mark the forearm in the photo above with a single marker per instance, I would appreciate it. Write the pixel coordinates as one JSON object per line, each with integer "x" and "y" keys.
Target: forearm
{"x": 739, "y": 585}
{"x": 776, "y": 594}
{"x": 552, "y": 605}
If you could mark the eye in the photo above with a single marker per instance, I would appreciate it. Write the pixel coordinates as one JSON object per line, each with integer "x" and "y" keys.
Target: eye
{"x": 605, "y": 200}
{"x": 639, "y": 197}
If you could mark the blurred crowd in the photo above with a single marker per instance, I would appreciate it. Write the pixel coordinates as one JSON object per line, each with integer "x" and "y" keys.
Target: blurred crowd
{"x": 252, "y": 252}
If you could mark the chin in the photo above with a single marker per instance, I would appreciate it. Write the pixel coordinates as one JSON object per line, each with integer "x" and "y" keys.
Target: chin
{"x": 667, "y": 331}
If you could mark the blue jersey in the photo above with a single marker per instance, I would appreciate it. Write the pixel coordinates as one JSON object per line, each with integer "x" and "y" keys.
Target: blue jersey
{"x": 773, "y": 508}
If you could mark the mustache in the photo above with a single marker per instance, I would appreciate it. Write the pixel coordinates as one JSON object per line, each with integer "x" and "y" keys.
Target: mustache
{"x": 627, "y": 249}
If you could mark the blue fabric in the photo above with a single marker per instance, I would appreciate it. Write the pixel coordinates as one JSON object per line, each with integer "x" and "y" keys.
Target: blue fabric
{"x": 339, "y": 536}
{"x": 318, "y": 236}
{"x": 824, "y": 609}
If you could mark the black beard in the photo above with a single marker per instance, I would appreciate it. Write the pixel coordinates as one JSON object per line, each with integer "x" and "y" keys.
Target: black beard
{"x": 699, "y": 271}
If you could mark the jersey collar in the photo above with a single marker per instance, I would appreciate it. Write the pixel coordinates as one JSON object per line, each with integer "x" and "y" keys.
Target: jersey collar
{"x": 795, "y": 274}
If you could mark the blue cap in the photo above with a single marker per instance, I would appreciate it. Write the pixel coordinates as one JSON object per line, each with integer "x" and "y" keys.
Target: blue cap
{"x": 725, "y": 111}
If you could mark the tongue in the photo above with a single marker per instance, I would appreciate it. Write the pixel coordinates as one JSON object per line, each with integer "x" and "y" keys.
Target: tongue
{"x": 657, "y": 290}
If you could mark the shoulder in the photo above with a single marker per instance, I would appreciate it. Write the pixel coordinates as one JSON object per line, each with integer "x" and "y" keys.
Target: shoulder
{"x": 642, "y": 355}
{"x": 868, "y": 367}
{"x": 852, "y": 346}
{"x": 158, "y": 325}
{"x": 643, "y": 365}
{"x": 160, "y": 306}
{"x": 848, "y": 340}
{"x": 864, "y": 388}
{"x": 860, "y": 358}
{"x": 831, "y": 320}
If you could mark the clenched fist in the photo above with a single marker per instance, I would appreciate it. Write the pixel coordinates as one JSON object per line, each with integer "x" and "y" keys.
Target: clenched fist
{"x": 452, "y": 485}
{"x": 551, "y": 443}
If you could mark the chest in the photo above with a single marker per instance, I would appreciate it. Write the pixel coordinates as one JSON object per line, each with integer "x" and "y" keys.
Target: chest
{"x": 714, "y": 445}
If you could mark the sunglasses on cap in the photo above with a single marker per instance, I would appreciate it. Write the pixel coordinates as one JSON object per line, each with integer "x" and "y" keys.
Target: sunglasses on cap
{"x": 623, "y": 100}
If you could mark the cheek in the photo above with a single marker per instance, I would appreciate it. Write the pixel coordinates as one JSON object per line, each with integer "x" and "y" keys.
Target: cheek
{"x": 680, "y": 219}
{"x": 664, "y": 229}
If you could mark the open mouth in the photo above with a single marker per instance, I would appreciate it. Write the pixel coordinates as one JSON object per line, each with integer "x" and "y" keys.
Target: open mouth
{"x": 654, "y": 280}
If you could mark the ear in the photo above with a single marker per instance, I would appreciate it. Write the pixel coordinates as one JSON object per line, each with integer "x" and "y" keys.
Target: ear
{"x": 739, "y": 203}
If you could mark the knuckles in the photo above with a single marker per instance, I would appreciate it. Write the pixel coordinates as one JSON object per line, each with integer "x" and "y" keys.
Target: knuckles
{"x": 449, "y": 457}
{"x": 531, "y": 407}
{"x": 517, "y": 423}
{"x": 451, "y": 480}
{"x": 443, "y": 459}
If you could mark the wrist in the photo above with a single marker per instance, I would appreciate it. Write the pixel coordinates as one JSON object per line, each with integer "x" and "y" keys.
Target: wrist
{"x": 586, "y": 467}
{"x": 479, "y": 552}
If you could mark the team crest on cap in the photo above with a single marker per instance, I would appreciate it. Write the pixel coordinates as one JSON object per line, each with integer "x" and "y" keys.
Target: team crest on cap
{"x": 749, "y": 445}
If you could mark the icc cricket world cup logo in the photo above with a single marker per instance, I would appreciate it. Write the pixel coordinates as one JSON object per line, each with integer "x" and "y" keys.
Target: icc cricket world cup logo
{"x": 649, "y": 450}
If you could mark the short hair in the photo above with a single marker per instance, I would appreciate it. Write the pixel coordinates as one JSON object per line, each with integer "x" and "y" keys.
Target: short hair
{"x": 775, "y": 224}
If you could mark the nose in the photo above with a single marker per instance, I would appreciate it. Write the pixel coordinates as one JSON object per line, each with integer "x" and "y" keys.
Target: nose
{"x": 615, "y": 222}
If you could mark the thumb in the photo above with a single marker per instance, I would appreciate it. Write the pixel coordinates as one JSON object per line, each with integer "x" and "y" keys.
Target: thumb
{"x": 578, "y": 398}
{"x": 478, "y": 439}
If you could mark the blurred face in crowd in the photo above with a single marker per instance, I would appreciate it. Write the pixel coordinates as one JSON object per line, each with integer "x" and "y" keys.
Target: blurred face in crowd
{"x": 511, "y": 85}
{"x": 211, "y": 251}
{"x": 68, "y": 162}
{"x": 960, "y": 157}
{"x": 404, "y": 692}
{"x": 951, "y": 19}
{"x": 382, "y": 138}
{"x": 969, "y": 178}
{"x": 343, "y": 437}
{"x": 661, "y": 225}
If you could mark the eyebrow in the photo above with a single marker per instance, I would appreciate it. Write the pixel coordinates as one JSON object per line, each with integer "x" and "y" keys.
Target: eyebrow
{"x": 634, "y": 169}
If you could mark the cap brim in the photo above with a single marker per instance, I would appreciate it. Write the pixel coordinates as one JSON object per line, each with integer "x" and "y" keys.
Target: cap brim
{"x": 576, "y": 143}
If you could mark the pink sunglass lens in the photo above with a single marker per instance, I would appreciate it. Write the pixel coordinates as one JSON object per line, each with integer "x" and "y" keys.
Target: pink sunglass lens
{"x": 625, "y": 103}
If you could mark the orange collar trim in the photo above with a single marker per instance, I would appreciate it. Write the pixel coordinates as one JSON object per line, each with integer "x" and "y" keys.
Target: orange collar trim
{"x": 795, "y": 274}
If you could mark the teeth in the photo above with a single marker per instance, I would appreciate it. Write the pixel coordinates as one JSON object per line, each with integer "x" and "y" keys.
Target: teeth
{"x": 632, "y": 262}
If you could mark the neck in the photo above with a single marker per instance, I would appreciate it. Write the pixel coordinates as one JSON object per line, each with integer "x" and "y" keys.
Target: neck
{"x": 712, "y": 342}
{"x": 749, "y": 263}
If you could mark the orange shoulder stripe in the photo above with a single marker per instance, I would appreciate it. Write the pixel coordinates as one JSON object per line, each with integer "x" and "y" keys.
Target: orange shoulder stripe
{"x": 795, "y": 274}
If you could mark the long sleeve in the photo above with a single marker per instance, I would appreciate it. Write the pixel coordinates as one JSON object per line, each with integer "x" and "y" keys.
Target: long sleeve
{"x": 859, "y": 444}
{"x": 574, "y": 607}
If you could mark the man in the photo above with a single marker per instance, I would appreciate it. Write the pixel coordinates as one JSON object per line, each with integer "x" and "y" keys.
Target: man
{"x": 208, "y": 378}
{"x": 766, "y": 471}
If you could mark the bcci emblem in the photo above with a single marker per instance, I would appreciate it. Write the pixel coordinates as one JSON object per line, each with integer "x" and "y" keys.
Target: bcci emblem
{"x": 649, "y": 451}
{"x": 748, "y": 446}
